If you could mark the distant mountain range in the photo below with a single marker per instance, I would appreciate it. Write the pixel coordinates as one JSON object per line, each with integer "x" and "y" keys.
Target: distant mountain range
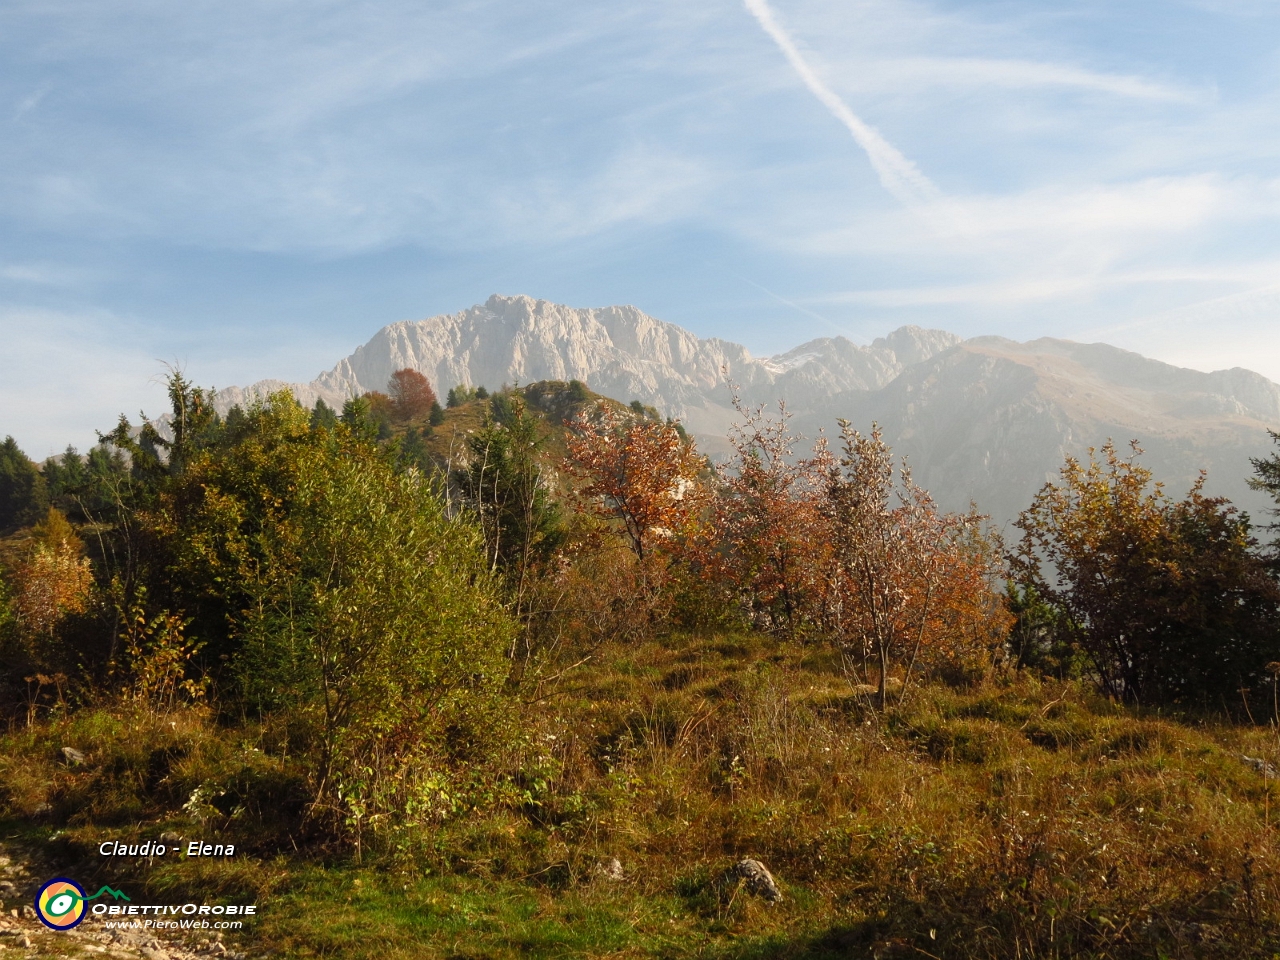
{"x": 986, "y": 419}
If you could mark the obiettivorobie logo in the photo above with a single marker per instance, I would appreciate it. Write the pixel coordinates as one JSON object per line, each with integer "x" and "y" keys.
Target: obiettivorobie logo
{"x": 60, "y": 904}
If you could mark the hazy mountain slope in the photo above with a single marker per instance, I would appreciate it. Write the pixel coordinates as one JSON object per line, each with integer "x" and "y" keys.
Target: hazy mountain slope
{"x": 991, "y": 419}
{"x": 986, "y": 419}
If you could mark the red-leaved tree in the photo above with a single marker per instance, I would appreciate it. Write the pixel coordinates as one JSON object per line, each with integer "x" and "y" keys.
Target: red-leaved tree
{"x": 906, "y": 582}
{"x": 411, "y": 394}
{"x": 764, "y": 541}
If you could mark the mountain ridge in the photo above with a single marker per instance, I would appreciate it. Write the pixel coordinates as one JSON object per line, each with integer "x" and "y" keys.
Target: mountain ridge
{"x": 986, "y": 419}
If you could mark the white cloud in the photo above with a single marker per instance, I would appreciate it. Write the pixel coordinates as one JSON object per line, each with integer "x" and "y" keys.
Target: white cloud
{"x": 897, "y": 174}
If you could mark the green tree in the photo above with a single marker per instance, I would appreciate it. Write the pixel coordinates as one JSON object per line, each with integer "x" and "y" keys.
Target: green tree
{"x": 1266, "y": 478}
{"x": 192, "y": 425}
{"x": 23, "y": 495}
{"x": 346, "y": 600}
{"x": 505, "y": 487}
{"x": 323, "y": 416}
{"x": 64, "y": 475}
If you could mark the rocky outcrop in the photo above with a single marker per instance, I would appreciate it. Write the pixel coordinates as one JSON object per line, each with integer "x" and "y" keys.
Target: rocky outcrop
{"x": 618, "y": 351}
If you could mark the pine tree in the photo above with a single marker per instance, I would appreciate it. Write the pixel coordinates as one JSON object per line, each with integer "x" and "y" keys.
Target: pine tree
{"x": 24, "y": 497}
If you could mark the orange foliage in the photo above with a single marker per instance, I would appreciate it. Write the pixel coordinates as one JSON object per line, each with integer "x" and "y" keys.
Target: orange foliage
{"x": 639, "y": 472}
{"x": 54, "y": 580}
{"x": 765, "y": 543}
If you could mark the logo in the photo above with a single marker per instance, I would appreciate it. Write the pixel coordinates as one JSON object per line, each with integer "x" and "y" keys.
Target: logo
{"x": 60, "y": 904}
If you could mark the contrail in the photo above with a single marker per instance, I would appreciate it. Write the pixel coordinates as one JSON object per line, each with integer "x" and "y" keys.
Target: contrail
{"x": 897, "y": 174}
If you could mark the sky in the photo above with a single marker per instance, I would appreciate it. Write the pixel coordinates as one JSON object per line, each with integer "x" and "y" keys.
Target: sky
{"x": 252, "y": 189}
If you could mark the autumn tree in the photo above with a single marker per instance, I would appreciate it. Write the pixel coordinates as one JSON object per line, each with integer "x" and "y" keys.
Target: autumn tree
{"x": 381, "y": 412}
{"x": 904, "y": 579}
{"x": 1168, "y": 599}
{"x": 411, "y": 395}
{"x": 765, "y": 538}
{"x": 638, "y": 472}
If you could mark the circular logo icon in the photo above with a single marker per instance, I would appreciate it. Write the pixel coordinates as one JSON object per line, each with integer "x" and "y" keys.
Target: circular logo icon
{"x": 60, "y": 903}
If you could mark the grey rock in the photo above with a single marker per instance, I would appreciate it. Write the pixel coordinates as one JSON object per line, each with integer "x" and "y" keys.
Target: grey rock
{"x": 1259, "y": 764}
{"x": 756, "y": 879}
{"x": 618, "y": 351}
{"x": 611, "y": 869}
{"x": 28, "y": 911}
{"x": 73, "y": 756}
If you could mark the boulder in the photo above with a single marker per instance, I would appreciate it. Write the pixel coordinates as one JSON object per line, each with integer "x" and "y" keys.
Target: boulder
{"x": 755, "y": 878}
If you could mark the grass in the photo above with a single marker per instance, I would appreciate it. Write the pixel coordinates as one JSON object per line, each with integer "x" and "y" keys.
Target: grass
{"x": 1019, "y": 818}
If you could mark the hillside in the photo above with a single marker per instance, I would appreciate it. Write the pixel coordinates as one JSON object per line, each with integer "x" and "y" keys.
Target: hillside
{"x": 985, "y": 420}
{"x": 967, "y": 821}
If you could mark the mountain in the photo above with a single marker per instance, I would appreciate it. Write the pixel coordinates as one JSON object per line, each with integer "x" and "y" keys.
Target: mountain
{"x": 985, "y": 419}
{"x": 991, "y": 419}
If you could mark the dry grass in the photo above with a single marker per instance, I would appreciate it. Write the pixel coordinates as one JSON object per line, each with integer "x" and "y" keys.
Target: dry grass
{"x": 1017, "y": 819}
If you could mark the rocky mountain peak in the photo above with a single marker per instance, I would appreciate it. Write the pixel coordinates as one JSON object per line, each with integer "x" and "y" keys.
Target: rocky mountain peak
{"x": 986, "y": 419}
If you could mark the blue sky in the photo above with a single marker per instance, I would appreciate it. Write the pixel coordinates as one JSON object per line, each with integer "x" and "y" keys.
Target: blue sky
{"x": 252, "y": 189}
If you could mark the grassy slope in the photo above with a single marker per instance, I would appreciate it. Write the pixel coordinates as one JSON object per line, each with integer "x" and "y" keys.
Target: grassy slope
{"x": 1019, "y": 819}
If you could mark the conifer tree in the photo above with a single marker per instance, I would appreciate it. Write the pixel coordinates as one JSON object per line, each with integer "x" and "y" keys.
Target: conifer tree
{"x": 23, "y": 495}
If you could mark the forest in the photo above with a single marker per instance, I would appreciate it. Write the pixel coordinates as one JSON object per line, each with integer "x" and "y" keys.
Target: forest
{"x": 523, "y": 673}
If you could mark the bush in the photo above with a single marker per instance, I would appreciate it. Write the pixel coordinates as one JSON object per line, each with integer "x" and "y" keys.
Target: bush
{"x": 1169, "y": 600}
{"x": 353, "y": 610}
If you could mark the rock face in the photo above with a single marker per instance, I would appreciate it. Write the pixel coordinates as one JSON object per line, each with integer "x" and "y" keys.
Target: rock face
{"x": 985, "y": 420}
{"x": 618, "y": 351}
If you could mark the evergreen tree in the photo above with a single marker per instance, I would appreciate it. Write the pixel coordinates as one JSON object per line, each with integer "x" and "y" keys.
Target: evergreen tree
{"x": 323, "y": 416}
{"x": 24, "y": 499}
{"x": 1266, "y": 477}
{"x": 63, "y": 474}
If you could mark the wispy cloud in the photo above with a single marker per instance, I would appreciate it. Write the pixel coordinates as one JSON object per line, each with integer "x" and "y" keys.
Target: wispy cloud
{"x": 1019, "y": 75}
{"x": 29, "y": 103}
{"x": 897, "y": 174}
